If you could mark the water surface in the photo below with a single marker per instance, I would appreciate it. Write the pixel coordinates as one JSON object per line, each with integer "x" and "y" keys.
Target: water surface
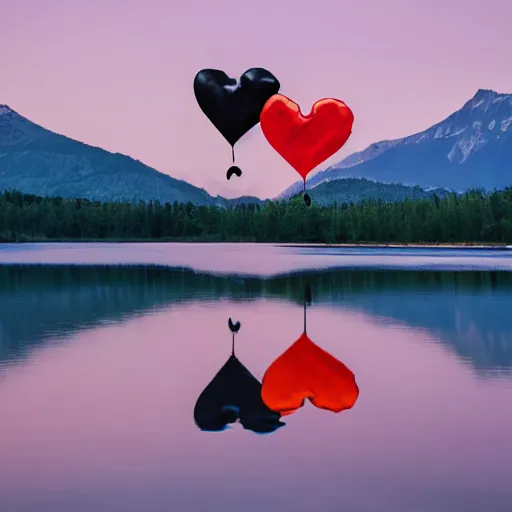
{"x": 101, "y": 368}
{"x": 262, "y": 260}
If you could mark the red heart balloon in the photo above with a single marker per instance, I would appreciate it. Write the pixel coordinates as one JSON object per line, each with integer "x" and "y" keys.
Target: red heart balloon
{"x": 306, "y": 141}
{"x": 307, "y": 371}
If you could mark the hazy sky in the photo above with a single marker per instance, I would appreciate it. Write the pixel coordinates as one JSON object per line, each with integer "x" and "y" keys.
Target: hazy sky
{"x": 118, "y": 73}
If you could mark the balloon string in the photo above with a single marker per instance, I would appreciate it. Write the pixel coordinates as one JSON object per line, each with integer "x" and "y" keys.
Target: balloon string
{"x": 304, "y": 186}
{"x": 304, "y": 316}
{"x": 233, "y": 153}
{"x": 233, "y": 344}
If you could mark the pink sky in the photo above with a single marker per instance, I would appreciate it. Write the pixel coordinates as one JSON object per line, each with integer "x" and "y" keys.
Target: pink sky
{"x": 118, "y": 73}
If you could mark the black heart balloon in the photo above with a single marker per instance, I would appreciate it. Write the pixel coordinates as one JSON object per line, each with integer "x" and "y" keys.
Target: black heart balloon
{"x": 234, "y": 393}
{"x": 234, "y": 107}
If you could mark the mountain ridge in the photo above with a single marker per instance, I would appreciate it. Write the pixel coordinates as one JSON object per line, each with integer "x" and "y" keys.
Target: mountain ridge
{"x": 347, "y": 190}
{"x": 442, "y": 151}
{"x": 37, "y": 160}
{"x": 471, "y": 148}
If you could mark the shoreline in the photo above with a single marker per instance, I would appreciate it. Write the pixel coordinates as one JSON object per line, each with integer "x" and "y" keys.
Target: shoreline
{"x": 401, "y": 246}
{"x": 302, "y": 245}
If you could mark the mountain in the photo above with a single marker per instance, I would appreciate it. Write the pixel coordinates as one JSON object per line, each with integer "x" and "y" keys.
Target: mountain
{"x": 35, "y": 160}
{"x": 472, "y": 148}
{"x": 348, "y": 190}
{"x": 241, "y": 200}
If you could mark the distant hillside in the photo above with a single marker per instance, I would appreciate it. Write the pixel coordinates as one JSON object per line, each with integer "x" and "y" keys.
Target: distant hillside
{"x": 37, "y": 161}
{"x": 239, "y": 200}
{"x": 472, "y": 148}
{"x": 359, "y": 189}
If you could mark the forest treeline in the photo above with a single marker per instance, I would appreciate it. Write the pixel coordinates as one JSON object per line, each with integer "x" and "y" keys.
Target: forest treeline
{"x": 475, "y": 216}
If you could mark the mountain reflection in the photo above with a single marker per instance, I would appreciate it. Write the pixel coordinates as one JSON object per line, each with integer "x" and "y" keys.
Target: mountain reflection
{"x": 234, "y": 394}
{"x": 466, "y": 311}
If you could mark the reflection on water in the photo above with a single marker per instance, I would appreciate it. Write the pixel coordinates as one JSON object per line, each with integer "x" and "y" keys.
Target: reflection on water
{"x": 465, "y": 311}
{"x": 235, "y": 394}
{"x": 106, "y": 373}
{"x": 305, "y": 371}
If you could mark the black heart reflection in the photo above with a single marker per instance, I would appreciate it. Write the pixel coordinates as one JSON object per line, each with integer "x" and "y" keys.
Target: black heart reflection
{"x": 234, "y": 108}
{"x": 234, "y": 394}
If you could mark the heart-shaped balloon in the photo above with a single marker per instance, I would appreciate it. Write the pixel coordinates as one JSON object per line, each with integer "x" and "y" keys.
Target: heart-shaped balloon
{"x": 306, "y": 141}
{"x": 234, "y": 107}
{"x": 234, "y": 393}
{"x": 307, "y": 371}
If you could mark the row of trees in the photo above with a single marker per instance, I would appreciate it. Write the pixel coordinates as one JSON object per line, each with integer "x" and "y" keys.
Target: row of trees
{"x": 475, "y": 216}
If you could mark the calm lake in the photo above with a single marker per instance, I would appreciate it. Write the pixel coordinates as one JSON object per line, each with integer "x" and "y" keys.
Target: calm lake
{"x": 107, "y": 352}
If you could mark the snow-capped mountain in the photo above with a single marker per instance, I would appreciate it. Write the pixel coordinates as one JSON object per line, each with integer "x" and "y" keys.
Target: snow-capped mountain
{"x": 471, "y": 148}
